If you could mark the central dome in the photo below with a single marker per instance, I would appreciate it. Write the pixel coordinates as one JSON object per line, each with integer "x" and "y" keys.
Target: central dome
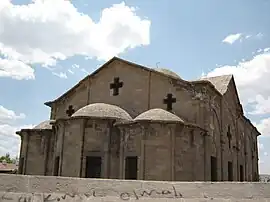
{"x": 103, "y": 111}
{"x": 167, "y": 71}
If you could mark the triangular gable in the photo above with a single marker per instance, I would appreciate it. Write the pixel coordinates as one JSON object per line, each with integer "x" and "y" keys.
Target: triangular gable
{"x": 105, "y": 65}
{"x": 221, "y": 83}
{"x": 232, "y": 88}
{"x": 224, "y": 83}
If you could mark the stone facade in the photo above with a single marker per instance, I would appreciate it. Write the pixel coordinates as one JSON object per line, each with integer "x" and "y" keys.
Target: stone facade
{"x": 127, "y": 121}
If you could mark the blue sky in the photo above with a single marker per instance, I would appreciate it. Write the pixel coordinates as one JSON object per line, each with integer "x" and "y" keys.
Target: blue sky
{"x": 45, "y": 49}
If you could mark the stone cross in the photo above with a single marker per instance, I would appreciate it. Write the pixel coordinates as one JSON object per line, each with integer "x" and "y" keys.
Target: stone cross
{"x": 116, "y": 85}
{"x": 229, "y": 135}
{"x": 169, "y": 100}
{"x": 70, "y": 110}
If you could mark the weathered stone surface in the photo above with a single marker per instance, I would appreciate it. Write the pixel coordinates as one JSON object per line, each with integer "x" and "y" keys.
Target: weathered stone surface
{"x": 54, "y": 189}
{"x": 207, "y": 111}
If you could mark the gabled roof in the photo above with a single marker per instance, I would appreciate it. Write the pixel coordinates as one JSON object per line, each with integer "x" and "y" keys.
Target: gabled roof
{"x": 158, "y": 71}
{"x": 221, "y": 83}
{"x": 170, "y": 75}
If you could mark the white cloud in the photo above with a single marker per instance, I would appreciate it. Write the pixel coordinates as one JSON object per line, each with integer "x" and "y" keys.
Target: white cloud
{"x": 264, "y": 126}
{"x": 84, "y": 71}
{"x": 9, "y": 141}
{"x": 15, "y": 69}
{"x": 61, "y": 75}
{"x": 260, "y": 146}
{"x": 252, "y": 81}
{"x": 230, "y": 39}
{"x": 75, "y": 66}
{"x": 266, "y": 49}
{"x": 7, "y": 116}
{"x": 70, "y": 71}
{"x": 43, "y": 32}
{"x": 261, "y": 106}
{"x": 259, "y": 35}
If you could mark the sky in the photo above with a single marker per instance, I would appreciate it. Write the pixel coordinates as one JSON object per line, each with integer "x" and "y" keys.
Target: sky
{"x": 46, "y": 46}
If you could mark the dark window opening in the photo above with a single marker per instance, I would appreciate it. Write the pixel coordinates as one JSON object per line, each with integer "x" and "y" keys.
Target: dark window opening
{"x": 131, "y": 168}
{"x": 241, "y": 173}
{"x": 213, "y": 168}
{"x": 230, "y": 171}
{"x": 21, "y": 164}
{"x": 93, "y": 167}
{"x": 56, "y": 166}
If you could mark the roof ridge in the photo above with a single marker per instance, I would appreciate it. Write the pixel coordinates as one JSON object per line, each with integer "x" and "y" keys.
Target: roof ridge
{"x": 224, "y": 75}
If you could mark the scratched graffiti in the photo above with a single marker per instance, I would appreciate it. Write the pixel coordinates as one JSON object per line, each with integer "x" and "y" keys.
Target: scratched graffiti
{"x": 153, "y": 193}
{"x": 53, "y": 197}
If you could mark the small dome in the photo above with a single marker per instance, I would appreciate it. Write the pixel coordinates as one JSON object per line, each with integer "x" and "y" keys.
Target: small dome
{"x": 158, "y": 115}
{"x": 167, "y": 71}
{"x": 102, "y": 110}
{"x": 43, "y": 125}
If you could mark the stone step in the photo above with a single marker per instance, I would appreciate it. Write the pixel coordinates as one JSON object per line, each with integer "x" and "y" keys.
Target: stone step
{"x": 21, "y": 188}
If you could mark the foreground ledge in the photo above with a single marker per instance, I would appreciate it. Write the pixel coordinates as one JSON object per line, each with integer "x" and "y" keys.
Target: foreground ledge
{"x": 23, "y": 188}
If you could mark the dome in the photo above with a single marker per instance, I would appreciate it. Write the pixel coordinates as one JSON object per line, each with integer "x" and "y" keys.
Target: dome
{"x": 158, "y": 115}
{"x": 44, "y": 125}
{"x": 167, "y": 71}
{"x": 102, "y": 110}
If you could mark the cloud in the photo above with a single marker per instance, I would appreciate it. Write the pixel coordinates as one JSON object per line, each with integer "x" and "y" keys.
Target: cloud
{"x": 9, "y": 141}
{"x": 230, "y": 39}
{"x": 61, "y": 75}
{"x": 43, "y": 32}
{"x": 260, "y": 146}
{"x": 7, "y": 116}
{"x": 15, "y": 69}
{"x": 252, "y": 81}
{"x": 264, "y": 126}
{"x": 261, "y": 105}
{"x": 75, "y": 66}
{"x": 259, "y": 35}
{"x": 266, "y": 49}
{"x": 70, "y": 71}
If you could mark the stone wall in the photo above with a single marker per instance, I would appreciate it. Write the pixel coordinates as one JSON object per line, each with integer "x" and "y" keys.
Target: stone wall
{"x": 16, "y": 188}
{"x": 35, "y": 152}
{"x": 72, "y": 148}
{"x": 158, "y": 156}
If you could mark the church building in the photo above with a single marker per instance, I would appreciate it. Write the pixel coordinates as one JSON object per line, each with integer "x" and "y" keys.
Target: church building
{"x": 128, "y": 121}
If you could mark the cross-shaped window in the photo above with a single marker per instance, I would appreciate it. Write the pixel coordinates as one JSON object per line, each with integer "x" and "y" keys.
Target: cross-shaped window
{"x": 70, "y": 110}
{"x": 116, "y": 85}
{"x": 169, "y": 100}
